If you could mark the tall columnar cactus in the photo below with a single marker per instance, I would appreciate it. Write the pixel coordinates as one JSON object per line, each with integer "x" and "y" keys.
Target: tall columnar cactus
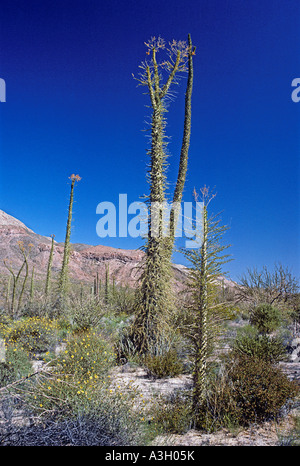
{"x": 63, "y": 279}
{"x": 8, "y": 293}
{"x": 32, "y": 285}
{"x": 50, "y": 261}
{"x": 153, "y": 298}
{"x": 97, "y": 284}
{"x": 106, "y": 293}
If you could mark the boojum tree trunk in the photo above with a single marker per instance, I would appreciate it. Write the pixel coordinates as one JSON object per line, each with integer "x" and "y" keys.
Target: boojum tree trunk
{"x": 49, "y": 267}
{"x": 201, "y": 349}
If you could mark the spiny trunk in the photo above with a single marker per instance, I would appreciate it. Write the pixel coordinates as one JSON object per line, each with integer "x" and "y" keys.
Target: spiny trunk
{"x": 183, "y": 162}
{"x": 63, "y": 281}
{"x": 48, "y": 277}
{"x": 201, "y": 350}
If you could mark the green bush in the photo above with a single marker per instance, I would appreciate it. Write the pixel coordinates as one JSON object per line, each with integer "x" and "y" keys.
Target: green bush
{"x": 248, "y": 390}
{"x": 86, "y": 314}
{"x": 34, "y": 334}
{"x": 253, "y": 344}
{"x": 86, "y": 354}
{"x": 74, "y": 376}
{"x": 265, "y": 318}
{"x": 15, "y": 366}
{"x": 163, "y": 365}
{"x": 173, "y": 413}
{"x": 220, "y": 408}
{"x": 259, "y": 389}
{"x": 77, "y": 401}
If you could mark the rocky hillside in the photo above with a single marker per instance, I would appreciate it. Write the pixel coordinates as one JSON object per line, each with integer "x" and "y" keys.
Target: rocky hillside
{"x": 85, "y": 260}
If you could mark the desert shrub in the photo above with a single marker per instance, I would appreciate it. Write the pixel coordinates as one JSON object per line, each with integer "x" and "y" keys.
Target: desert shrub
{"x": 163, "y": 365}
{"x": 87, "y": 354}
{"x": 113, "y": 325}
{"x": 77, "y": 401}
{"x": 247, "y": 390}
{"x": 87, "y": 314}
{"x": 123, "y": 299}
{"x": 105, "y": 418}
{"x": 64, "y": 327}
{"x": 173, "y": 413}
{"x": 253, "y": 344}
{"x": 265, "y": 318}
{"x": 75, "y": 374}
{"x": 259, "y": 389}
{"x": 15, "y": 366}
{"x": 125, "y": 348}
{"x": 292, "y": 436}
{"x": 33, "y": 334}
{"x": 220, "y": 409}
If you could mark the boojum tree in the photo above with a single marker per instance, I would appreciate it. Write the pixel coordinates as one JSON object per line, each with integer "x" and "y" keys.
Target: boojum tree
{"x": 153, "y": 297}
{"x": 205, "y": 311}
{"x": 63, "y": 278}
{"x": 16, "y": 277}
{"x": 49, "y": 267}
{"x": 32, "y": 285}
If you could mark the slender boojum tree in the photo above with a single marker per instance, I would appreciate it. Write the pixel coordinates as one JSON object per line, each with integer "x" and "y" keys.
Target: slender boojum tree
{"x": 183, "y": 162}
{"x": 49, "y": 267}
{"x": 32, "y": 285}
{"x": 205, "y": 311}
{"x": 63, "y": 279}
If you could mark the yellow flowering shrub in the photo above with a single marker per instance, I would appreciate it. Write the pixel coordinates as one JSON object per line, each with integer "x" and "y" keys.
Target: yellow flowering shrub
{"x": 87, "y": 355}
{"x": 77, "y": 390}
{"x": 75, "y": 376}
{"x": 33, "y": 334}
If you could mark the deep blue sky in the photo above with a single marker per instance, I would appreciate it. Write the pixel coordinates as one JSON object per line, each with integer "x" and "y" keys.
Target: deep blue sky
{"x": 73, "y": 107}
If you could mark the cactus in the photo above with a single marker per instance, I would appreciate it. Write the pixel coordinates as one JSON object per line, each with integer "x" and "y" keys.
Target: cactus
{"x": 8, "y": 293}
{"x": 24, "y": 253}
{"x": 16, "y": 277}
{"x": 114, "y": 287}
{"x": 97, "y": 284}
{"x": 106, "y": 294}
{"x": 48, "y": 277}
{"x": 32, "y": 285}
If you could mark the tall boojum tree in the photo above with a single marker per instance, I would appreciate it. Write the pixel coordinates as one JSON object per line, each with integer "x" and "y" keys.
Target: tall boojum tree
{"x": 63, "y": 278}
{"x": 153, "y": 297}
{"x": 49, "y": 267}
